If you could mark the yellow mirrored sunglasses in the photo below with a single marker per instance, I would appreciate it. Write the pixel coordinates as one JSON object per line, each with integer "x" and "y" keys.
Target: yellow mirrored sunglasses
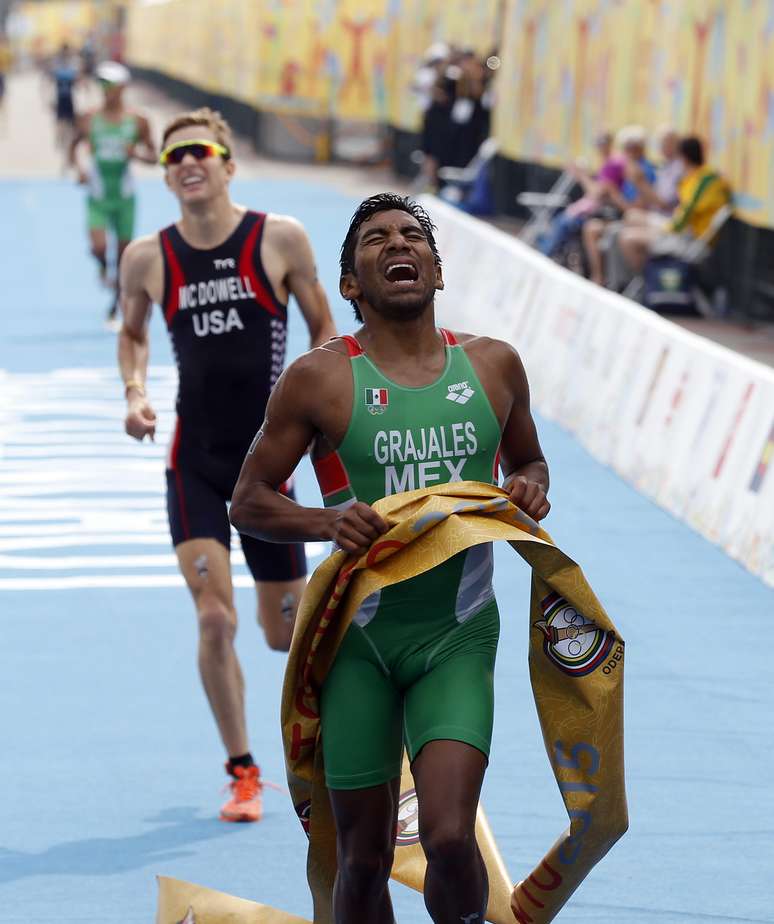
{"x": 197, "y": 148}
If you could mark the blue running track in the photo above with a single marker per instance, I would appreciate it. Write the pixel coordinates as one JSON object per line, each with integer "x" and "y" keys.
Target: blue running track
{"x": 110, "y": 766}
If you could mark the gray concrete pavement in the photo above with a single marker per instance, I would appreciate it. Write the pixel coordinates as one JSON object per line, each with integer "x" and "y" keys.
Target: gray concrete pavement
{"x": 28, "y": 148}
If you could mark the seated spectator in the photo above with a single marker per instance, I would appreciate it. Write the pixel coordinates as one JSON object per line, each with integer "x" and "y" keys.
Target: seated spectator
{"x": 596, "y": 194}
{"x": 639, "y": 177}
{"x": 579, "y": 169}
{"x": 658, "y": 200}
{"x": 702, "y": 192}
{"x": 664, "y": 195}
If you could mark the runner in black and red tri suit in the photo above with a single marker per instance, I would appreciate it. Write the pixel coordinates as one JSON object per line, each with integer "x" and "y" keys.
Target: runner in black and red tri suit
{"x": 228, "y": 335}
{"x": 222, "y": 276}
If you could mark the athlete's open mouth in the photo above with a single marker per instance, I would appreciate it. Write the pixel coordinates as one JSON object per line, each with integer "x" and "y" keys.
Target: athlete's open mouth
{"x": 192, "y": 180}
{"x": 401, "y": 272}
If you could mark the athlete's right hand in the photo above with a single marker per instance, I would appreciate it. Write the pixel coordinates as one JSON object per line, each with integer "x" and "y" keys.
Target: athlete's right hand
{"x": 356, "y": 528}
{"x": 140, "y": 419}
{"x": 83, "y": 177}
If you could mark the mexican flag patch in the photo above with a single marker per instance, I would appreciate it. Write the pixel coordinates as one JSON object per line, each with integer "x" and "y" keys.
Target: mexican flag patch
{"x": 377, "y": 399}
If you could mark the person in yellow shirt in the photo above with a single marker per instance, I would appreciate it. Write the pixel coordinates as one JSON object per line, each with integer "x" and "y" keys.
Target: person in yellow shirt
{"x": 702, "y": 193}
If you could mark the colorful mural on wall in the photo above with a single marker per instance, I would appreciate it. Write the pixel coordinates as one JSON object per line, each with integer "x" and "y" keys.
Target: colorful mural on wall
{"x": 352, "y": 58}
{"x": 570, "y": 67}
{"x": 39, "y": 29}
{"x": 422, "y": 23}
{"x": 574, "y": 67}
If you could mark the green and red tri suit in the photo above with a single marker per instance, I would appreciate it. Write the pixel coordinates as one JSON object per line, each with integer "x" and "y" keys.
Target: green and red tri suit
{"x": 420, "y": 663}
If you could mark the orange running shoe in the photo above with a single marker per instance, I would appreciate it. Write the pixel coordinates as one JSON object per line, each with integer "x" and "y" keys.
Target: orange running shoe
{"x": 245, "y": 803}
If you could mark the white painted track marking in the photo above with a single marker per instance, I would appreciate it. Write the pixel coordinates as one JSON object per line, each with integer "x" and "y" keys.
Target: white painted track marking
{"x": 70, "y": 479}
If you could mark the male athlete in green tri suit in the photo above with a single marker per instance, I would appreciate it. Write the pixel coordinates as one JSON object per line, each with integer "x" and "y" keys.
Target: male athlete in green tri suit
{"x": 115, "y": 136}
{"x": 400, "y": 405}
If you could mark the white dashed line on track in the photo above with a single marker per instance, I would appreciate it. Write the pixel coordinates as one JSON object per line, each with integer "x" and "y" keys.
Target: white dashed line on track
{"x": 70, "y": 479}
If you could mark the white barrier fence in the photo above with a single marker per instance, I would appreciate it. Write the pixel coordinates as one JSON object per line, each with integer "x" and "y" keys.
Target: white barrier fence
{"x": 689, "y": 423}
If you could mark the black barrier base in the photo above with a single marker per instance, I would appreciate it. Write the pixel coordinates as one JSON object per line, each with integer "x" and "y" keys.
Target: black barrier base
{"x": 297, "y": 138}
{"x": 243, "y": 118}
{"x": 286, "y": 136}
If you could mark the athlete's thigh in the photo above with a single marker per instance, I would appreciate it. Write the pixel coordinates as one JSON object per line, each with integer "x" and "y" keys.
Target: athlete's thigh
{"x": 205, "y": 565}
{"x": 196, "y": 508}
{"x": 454, "y": 698}
{"x": 361, "y": 715}
{"x": 123, "y": 220}
{"x": 274, "y": 562}
{"x": 452, "y": 701}
{"x": 201, "y": 533}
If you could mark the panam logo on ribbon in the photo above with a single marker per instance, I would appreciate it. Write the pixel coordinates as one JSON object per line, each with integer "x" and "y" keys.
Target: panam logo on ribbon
{"x": 376, "y": 400}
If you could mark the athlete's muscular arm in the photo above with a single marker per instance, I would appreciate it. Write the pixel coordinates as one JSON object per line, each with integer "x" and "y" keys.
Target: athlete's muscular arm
{"x": 133, "y": 350}
{"x": 82, "y": 126}
{"x": 147, "y": 153}
{"x": 301, "y": 279}
{"x": 299, "y": 409}
{"x": 502, "y": 374}
{"x": 521, "y": 458}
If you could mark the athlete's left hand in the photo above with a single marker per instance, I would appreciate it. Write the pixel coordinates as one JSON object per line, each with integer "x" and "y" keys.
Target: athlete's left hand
{"x": 140, "y": 419}
{"x": 528, "y": 496}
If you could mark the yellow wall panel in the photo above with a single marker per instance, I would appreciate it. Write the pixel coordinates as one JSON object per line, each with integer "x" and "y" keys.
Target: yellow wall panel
{"x": 575, "y": 67}
{"x": 40, "y": 28}
{"x": 570, "y": 67}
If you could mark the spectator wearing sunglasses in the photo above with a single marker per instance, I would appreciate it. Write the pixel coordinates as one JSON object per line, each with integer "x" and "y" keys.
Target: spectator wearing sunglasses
{"x": 114, "y": 135}
{"x": 222, "y": 275}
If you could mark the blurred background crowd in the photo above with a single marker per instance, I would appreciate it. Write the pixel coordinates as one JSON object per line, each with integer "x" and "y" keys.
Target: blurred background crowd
{"x": 455, "y": 91}
{"x": 643, "y": 165}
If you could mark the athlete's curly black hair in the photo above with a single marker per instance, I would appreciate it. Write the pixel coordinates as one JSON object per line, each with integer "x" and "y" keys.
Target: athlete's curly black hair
{"x": 383, "y": 202}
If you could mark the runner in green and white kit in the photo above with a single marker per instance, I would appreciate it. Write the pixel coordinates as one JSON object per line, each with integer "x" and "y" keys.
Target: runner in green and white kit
{"x": 401, "y": 405}
{"x": 111, "y": 189}
{"x": 114, "y": 136}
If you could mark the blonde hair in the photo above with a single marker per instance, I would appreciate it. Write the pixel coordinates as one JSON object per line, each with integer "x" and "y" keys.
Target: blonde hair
{"x": 206, "y": 117}
{"x": 631, "y": 134}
